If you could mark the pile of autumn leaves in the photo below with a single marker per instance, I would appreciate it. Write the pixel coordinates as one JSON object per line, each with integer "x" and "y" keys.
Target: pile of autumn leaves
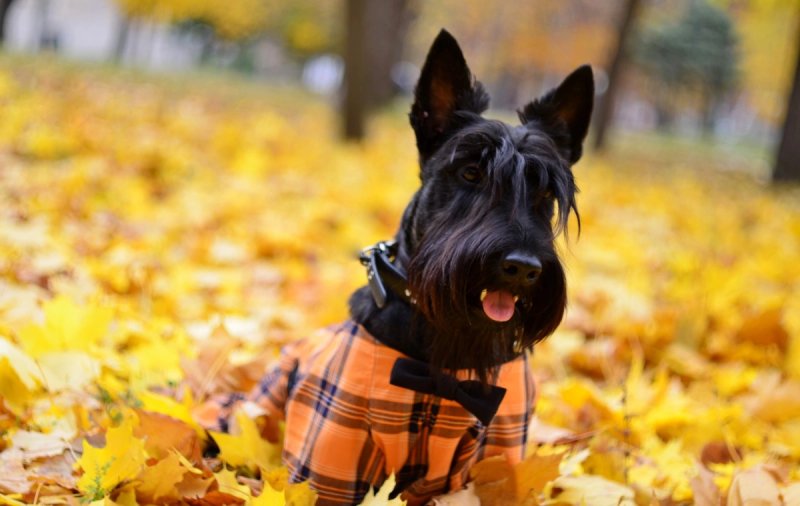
{"x": 159, "y": 244}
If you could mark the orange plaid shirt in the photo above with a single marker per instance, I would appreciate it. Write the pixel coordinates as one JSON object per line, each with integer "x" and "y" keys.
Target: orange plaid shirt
{"x": 348, "y": 428}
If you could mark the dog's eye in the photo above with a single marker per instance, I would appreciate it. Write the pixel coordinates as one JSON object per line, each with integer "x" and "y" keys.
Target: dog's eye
{"x": 471, "y": 174}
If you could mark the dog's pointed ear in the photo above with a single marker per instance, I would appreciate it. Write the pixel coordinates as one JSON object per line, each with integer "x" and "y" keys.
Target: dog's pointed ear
{"x": 565, "y": 112}
{"x": 445, "y": 86}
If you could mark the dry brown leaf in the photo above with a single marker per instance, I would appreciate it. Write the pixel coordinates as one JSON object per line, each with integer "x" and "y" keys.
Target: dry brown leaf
{"x": 536, "y": 471}
{"x": 765, "y": 329}
{"x": 162, "y": 433}
{"x": 491, "y": 469}
{"x": 777, "y": 403}
{"x": 214, "y": 372}
{"x": 754, "y": 487}
{"x": 719, "y": 452}
{"x": 34, "y": 445}
{"x": 56, "y": 470}
{"x": 705, "y": 492}
{"x": 214, "y": 498}
{"x": 791, "y": 494}
{"x": 591, "y": 490}
{"x": 13, "y": 475}
{"x": 193, "y": 486}
{"x": 494, "y": 481}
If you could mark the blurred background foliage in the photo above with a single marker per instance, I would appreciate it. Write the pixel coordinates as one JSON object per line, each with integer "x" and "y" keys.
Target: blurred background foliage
{"x": 718, "y": 69}
{"x": 181, "y": 227}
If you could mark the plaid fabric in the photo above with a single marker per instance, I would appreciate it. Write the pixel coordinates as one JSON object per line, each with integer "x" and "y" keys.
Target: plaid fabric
{"x": 347, "y": 428}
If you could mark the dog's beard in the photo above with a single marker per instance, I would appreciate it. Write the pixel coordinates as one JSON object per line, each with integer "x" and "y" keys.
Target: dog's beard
{"x": 447, "y": 286}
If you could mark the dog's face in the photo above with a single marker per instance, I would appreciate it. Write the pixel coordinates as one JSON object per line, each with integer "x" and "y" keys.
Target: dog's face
{"x": 479, "y": 234}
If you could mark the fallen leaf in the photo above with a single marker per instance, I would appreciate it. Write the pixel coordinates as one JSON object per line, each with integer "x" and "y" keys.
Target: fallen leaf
{"x": 57, "y": 470}
{"x": 68, "y": 370}
{"x": 194, "y": 486}
{"x": 268, "y": 497}
{"x": 19, "y": 377}
{"x": 227, "y": 484}
{"x": 158, "y": 482}
{"x": 122, "y": 458}
{"x": 588, "y": 489}
{"x": 791, "y": 494}
{"x": 247, "y": 448}
{"x": 765, "y": 329}
{"x": 13, "y": 475}
{"x": 300, "y": 494}
{"x": 495, "y": 482}
{"x": 215, "y": 498}
{"x": 753, "y": 487}
{"x": 34, "y": 445}
{"x": 162, "y": 433}
{"x": 705, "y": 492}
{"x": 719, "y": 452}
{"x": 157, "y": 403}
{"x": 778, "y": 403}
{"x": 536, "y": 471}
{"x": 67, "y": 326}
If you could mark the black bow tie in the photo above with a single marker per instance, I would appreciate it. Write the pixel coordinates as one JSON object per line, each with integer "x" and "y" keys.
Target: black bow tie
{"x": 476, "y": 398}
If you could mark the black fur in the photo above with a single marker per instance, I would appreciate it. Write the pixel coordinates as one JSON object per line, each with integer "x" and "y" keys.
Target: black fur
{"x": 488, "y": 189}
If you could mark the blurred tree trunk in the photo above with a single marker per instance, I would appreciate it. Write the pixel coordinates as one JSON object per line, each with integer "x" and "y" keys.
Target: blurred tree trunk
{"x": 46, "y": 38}
{"x": 5, "y": 5}
{"x": 375, "y": 33}
{"x": 121, "y": 41}
{"x": 787, "y": 164}
{"x": 605, "y": 106}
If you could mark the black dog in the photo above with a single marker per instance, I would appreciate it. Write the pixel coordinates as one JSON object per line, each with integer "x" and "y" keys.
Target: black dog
{"x": 476, "y": 240}
{"x": 432, "y": 373}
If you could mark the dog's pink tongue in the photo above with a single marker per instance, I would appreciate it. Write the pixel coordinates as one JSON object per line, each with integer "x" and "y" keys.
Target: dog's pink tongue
{"x": 499, "y": 305}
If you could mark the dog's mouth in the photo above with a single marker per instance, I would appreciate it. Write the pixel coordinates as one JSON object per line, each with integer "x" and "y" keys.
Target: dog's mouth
{"x": 498, "y": 305}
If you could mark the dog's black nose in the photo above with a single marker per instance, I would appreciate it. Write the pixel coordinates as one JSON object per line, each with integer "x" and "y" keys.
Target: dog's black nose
{"x": 521, "y": 268}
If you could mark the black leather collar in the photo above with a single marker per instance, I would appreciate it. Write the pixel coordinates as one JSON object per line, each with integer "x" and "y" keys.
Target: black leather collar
{"x": 383, "y": 275}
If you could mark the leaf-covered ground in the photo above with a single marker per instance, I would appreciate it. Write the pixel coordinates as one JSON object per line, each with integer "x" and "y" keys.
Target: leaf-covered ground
{"x": 160, "y": 239}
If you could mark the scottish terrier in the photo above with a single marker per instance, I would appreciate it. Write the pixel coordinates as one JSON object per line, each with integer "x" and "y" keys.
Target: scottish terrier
{"x": 431, "y": 373}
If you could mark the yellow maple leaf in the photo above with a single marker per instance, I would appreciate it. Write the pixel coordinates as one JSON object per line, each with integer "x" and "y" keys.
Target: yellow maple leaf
{"x": 247, "y": 448}
{"x": 300, "y": 494}
{"x": 277, "y": 477}
{"x": 19, "y": 376}
{"x": 227, "y": 483}
{"x": 121, "y": 459}
{"x": 67, "y": 326}
{"x": 126, "y": 497}
{"x": 68, "y": 370}
{"x": 159, "y": 480}
{"x": 268, "y": 497}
